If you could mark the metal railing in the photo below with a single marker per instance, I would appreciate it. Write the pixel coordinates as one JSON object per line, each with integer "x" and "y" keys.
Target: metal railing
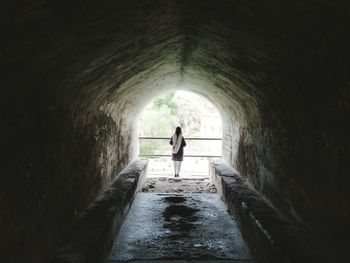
{"x": 187, "y": 139}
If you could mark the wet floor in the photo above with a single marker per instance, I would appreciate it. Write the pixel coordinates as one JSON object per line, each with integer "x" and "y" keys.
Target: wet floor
{"x": 175, "y": 227}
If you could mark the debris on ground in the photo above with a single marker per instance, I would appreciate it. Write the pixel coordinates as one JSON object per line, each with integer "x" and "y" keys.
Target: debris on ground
{"x": 179, "y": 185}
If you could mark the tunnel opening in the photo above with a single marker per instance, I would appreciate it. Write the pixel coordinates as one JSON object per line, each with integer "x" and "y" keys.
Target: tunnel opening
{"x": 201, "y": 125}
{"x": 123, "y": 106}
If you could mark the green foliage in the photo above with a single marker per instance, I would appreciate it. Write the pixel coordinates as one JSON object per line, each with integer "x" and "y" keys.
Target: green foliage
{"x": 157, "y": 123}
{"x": 166, "y": 101}
{"x": 146, "y": 147}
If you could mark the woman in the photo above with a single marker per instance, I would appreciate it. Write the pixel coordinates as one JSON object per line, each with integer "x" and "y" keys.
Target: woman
{"x": 178, "y": 142}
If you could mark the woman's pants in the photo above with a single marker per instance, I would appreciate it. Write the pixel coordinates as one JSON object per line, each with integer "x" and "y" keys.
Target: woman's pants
{"x": 177, "y": 167}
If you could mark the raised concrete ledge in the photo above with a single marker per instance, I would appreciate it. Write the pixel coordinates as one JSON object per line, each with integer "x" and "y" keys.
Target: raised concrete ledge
{"x": 90, "y": 237}
{"x": 272, "y": 237}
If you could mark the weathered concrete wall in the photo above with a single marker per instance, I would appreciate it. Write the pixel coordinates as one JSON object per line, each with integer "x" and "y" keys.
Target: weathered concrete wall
{"x": 74, "y": 76}
{"x": 55, "y": 168}
{"x": 90, "y": 237}
{"x": 271, "y": 236}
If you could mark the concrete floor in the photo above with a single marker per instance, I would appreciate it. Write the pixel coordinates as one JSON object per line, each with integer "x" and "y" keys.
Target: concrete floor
{"x": 178, "y": 228}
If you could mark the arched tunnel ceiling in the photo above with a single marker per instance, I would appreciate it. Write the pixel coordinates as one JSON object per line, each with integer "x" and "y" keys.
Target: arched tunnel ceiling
{"x": 92, "y": 49}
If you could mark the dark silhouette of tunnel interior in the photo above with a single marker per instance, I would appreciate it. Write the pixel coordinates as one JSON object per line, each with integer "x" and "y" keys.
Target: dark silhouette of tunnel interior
{"x": 75, "y": 73}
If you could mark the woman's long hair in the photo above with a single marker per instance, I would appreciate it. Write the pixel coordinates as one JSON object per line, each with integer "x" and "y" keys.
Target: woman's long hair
{"x": 178, "y": 131}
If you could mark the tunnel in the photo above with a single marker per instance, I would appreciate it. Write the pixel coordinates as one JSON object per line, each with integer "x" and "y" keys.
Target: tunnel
{"x": 74, "y": 74}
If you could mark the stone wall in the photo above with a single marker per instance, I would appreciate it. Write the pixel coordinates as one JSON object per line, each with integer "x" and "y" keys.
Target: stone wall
{"x": 55, "y": 168}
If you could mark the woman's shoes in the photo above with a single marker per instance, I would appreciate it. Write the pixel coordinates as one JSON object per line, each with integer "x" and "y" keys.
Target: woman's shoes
{"x": 176, "y": 175}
